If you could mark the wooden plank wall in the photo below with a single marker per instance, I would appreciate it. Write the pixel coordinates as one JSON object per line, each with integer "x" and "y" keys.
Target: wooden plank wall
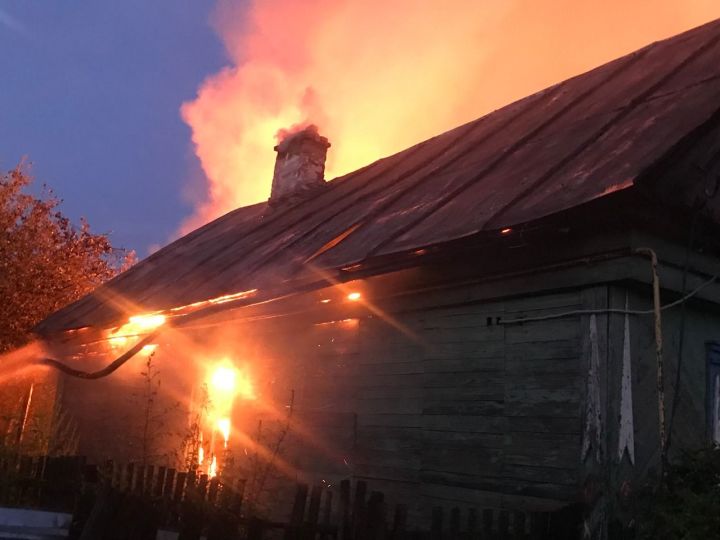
{"x": 702, "y": 324}
{"x": 454, "y": 407}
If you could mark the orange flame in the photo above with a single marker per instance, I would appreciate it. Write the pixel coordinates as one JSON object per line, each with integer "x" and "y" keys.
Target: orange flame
{"x": 223, "y": 425}
{"x": 137, "y": 325}
{"x": 225, "y": 384}
{"x": 201, "y": 450}
{"x": 212, "y": 470}
{"x": 378, "y": 76}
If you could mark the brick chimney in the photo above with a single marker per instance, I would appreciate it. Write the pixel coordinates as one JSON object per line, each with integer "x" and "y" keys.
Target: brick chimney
{"x": 300, "y": 165}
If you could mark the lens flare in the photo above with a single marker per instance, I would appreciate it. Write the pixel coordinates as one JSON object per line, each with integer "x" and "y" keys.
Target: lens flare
{"x": 223, "y": 380}
{"x": 136, "y": 325}
{"x": 147, "y": 322}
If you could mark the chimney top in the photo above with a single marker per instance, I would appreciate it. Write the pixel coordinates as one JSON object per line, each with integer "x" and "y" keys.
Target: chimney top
{"x": 300, "y": 165}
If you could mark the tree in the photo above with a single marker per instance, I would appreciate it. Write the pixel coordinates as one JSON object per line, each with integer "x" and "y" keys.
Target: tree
{"x": 45, "y": 261}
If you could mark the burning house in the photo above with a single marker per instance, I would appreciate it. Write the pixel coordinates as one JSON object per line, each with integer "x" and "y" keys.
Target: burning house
{"x": 521, "y": 312}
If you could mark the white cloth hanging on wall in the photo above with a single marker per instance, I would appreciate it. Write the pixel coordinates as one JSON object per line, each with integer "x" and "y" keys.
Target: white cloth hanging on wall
{"x": 626, "y": 438}
{"x": 593, "y": 416}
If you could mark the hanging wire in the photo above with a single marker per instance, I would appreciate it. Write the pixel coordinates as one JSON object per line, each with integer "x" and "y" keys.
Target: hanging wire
{"x": 604, "y": 311}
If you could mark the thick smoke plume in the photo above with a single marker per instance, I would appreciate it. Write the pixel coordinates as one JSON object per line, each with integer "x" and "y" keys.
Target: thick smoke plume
{"x": 378, "y": 76}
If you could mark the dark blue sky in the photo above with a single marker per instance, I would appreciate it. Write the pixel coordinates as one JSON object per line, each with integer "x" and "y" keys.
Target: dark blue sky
{"x": 90, "y": 93}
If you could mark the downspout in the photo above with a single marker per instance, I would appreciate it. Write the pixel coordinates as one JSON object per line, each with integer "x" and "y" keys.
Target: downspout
{"x": 646, "y": 251}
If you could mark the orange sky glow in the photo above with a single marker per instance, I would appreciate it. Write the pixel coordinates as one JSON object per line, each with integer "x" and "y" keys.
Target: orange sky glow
{"x": 377, "y": 76}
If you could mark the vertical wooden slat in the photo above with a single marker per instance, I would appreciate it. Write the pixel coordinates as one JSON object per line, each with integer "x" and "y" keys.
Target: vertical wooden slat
{"x": 519, "y": 525}
{"x": 118, "y": 478}
{"x": 454, "y": 523}
{"x": 254, "y": 529}
{"x": 191, "y": 481}
{"x": 224, "y": 519}
{"x": 359, "y": 510}
{"x": 139, "y": 479}
{"x": 436, "y": 524}
{"x": 538, "y": 525}
{"x": 314, "y": 507}
{"x": 327, "y": 513}
{"x": 129, "y": 477}
{"x": 169, "y": 483}
{"x": 149, "y": 477}
{"x": 236, "y": 496}
{"x": 159, "y": 482}
{"x": 179, "y": 486}
{"x": 39, "y": 475}
{"x": 376, "y": 516}
{"x": 345, "y": 517}
{"x": 202, "y": 487}
{"x": 472, "y": 522}
{"x": 108, "y": 472}
{"x": 292, "y": 532}
{"x": 399, "y": 522}
{"x": 313, "y": 515}
{"x": 487, "y": 523}
{"x": 25, "y": 472}
{"x": 213, "y": 491}
{"x": 503, "y": 525}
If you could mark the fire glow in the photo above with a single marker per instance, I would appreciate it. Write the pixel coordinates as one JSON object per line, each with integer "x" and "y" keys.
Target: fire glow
{"x": 225, "y": 384}
{"x": 377, "y": 77}
{"x": 136, "y": 326}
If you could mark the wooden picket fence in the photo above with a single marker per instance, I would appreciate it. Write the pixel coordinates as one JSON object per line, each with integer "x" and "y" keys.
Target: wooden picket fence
{"x": 130, "y": 501}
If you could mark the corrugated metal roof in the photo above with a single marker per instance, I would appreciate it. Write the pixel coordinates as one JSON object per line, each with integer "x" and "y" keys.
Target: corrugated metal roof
{"x": 564, "y": 146}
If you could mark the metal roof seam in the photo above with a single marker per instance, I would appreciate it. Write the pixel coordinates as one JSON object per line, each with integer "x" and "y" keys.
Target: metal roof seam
{"x": 623, "y": 112}
{"x": 368, "y": 218}
{"x": 445, "y": 199}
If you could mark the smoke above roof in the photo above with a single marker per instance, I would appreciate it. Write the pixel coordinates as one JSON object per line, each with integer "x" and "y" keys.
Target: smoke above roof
{"x": 378, "y": 84}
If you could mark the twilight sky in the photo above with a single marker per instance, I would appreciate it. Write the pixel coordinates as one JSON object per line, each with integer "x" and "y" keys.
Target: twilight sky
{"x": 91, "y": 92}
{"x": 112, "y": 100}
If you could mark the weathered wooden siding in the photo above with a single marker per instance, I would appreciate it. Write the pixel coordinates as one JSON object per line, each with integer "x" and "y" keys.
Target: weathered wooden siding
{"x": 611, "y": 478}
{"x": 702, "y": 324}
{"x": 450, "y": 404}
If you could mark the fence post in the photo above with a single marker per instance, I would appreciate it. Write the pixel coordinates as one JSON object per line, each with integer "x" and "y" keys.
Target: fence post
{"x": 472, "y": 524}
{"x": 503, "y": 525}
{"x": 519, "y": 525}
{"x": 345, "y": 523}
{"x": 129, "y": 477}
{"x": 399, "y": 522}
{"x": 169, "y": 483}
{"x": 310, "y": 528}
{"x": 149, "y": 477}
{"x": 202, "y": 487}
{"x": 454, "y": 523}
{"x": 238, "y": 495}
{"x": 327, "y": 514}
{"x": 298, "y": 513}
{"x": 376, "y": 516}
{"x": 24, "y": 478}
{"x": 255, "y": 529}
{"x": 437, "y": 523}
{"x": 213, "y": 491}
{"x": 359, "y": 511}
{"x": 538, "y": 525}
{"x": 159, "y": 482}
{"x": 487, "y": 518}
{"x": 179, "y": 487}
{"x": 139, "y": 480}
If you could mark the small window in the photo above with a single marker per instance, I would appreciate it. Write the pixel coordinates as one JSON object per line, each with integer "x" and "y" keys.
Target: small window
{"x": 713, "y": 391}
